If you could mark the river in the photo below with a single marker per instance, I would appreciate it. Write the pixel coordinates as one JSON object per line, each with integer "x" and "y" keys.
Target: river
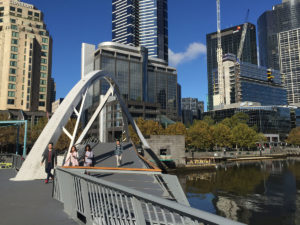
{"x": 261, "y": 192}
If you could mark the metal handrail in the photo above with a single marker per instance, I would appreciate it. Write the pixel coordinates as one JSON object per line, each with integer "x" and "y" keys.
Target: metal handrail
{"x": 104, "y": 202}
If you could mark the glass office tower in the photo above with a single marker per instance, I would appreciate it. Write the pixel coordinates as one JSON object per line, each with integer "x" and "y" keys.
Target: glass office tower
{"x": 282, "y": 17}
{"x": 230, "y": 44}
{"x": 142, "y": 22}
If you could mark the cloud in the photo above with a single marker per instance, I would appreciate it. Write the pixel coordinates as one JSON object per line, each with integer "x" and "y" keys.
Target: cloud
{"x": 192, "y": 52}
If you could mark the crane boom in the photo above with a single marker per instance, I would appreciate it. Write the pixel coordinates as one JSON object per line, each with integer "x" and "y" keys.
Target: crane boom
{"x": 241, "y": 47}
{"x": 220, "y": 57}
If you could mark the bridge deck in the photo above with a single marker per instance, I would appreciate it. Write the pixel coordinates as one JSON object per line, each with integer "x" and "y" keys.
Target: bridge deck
{"x": 29, "y": 202}
{"x": 104, "y": 157}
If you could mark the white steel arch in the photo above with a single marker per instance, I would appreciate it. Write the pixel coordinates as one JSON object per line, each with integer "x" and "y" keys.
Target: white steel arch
{"x": 31, "y": 168}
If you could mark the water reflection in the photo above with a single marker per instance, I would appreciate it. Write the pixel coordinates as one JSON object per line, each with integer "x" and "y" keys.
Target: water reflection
{"x": 265, "y": 192}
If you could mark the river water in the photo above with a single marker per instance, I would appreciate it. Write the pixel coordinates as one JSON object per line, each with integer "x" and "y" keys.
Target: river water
{"x": 261, "y": 192}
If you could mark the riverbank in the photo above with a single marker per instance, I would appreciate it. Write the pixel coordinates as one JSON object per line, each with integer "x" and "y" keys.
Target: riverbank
{"x": 208, "y": 162}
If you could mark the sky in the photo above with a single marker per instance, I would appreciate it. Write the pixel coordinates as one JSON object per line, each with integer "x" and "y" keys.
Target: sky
{"x": 72, "y": 22}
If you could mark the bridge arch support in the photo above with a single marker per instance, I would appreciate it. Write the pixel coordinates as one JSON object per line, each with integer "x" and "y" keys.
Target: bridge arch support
{"x": 31, "y": 168}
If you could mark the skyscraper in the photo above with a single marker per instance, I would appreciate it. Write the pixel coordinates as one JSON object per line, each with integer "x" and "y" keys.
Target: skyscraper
{"x": 230, "y": 44}
{"x": 289, "y": 61}
{"x": 142, "y": 22}
{"x": 282, "y": 17}
{"x": 25, "y": 58}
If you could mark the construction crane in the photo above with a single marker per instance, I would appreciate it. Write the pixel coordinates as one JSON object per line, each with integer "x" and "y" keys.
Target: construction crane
{"x": 220, "y": 57}
{"x": 241, "y": 47}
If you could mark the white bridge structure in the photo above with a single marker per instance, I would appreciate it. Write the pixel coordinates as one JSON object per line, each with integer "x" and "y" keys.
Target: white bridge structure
{"x": 31, "y": 168}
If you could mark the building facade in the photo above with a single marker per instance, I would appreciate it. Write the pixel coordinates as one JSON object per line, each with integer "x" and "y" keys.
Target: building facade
{"x": 148, "y": 85}
{"x": 25, "y": 58}
{"x": 267, "y": 119}
{"x": 247, "y": 82}
{"x": 282, "y": 17}
{"x": 289, "y": 60}
{"x": 230, "y": 44}
{"x": 142, "y": 22}
{"x": 192, "y": 109}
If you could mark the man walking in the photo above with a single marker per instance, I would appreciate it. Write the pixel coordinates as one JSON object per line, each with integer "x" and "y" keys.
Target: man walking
{"x": 50, "y": 159}
{"x": 118, "y": 153}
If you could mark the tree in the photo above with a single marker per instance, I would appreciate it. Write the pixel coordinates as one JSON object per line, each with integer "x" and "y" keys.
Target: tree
{"x": 200, "y": 135}
{"x": 235, "y": 120}
{"x": 36, "y": 130}
{"x": 176, "y": 129}
{"x": 294, "y": 136}
{"x": 244, "y": 136}
{"x": 147, "y": 127}
{"x": 208, "y": 120}
{"x": 222, "y": 135}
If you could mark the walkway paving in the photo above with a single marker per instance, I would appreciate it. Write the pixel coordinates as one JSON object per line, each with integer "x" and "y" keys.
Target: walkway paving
{"x": 29, "y": 203}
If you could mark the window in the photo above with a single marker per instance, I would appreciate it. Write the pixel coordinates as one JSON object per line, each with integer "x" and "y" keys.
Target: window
{"x": 1, "y": 20}
{"x": 45, "y": 47}
{"x": 44, "y": 54}
{"x": 19, "y": 10}
{"x": 11, "y": 86}
{"x": 43, "y": 82}
{"x": 14, "y": 49}
{"x": 13, "y": 56}
{"x": 10, "y": 101}
{"x": 12, "y": 71}
{"x": 12, "y": 78}
{"x": 12, "y": 20}
{"x": 1, "y": 8}
{"x": 15, "y": 34}
{"x": 11, "y": 94}
{"x": 14, "y": 41}
{"x": 43, "y": 68}
{"x": 43, "y": 75}
{"x": 36, "y": 14}
{"x": 38, "y": 26}
{"x": 12, "y": 8}
{"x": 30, "y": 13}
{"x": 14, "y": 27}
{"x": 41, "y": 103}
{"x": 43, "y": 60}
{"x": 13, "y": 63}
{"x": 42, "y": 96}
{"x": 45, "y": 40}
{"x": 42, "y": 89}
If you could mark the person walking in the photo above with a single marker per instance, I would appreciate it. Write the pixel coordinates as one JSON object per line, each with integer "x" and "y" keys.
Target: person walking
{"x": 118, "y": 153}
{"x": 50, "y": 159}
{"x": 88, "y": 156}
{"x": 72, "y": 159}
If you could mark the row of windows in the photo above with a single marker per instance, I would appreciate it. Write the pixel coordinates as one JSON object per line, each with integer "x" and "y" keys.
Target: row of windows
{"x": 30, "y": 13}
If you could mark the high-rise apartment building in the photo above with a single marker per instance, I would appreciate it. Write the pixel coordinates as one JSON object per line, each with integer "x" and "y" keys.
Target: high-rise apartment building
{"x": 142, "y": 22}
{"x": 278, "y": 34}
{"x": 289, "y": 61}
{"x": 282, "y": 17}
{"x": 230, "y": 44}
{"x": 25, "y": 58}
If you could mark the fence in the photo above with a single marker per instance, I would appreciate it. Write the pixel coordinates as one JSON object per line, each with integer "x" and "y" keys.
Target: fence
{"x": 96, "y": 201}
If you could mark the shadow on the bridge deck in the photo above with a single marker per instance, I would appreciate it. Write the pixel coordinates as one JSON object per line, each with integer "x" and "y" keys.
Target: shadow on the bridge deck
{"x": 29, "y": 203}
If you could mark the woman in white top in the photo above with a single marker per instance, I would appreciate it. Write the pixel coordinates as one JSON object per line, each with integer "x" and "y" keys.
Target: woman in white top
{"x": 72, "y": 159}
{"x": 88, "y": 156}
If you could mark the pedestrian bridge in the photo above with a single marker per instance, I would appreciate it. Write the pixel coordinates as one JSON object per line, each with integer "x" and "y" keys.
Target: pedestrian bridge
{"x": 136, "y": 193}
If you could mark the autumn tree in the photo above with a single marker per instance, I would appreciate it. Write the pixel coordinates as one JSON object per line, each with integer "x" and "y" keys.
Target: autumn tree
{"x": 36, "y": 130}
{"x": 176, "y": 129}
{"x": 201, "y": 135}
{"x": 222, "y": 135}
{"x": 235, "y": 120}
{"x": 244, "y": 136}
{"x": 294, "y": 136}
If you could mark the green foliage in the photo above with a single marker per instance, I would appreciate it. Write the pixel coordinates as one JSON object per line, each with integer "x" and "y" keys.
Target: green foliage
{"x": 222, "y": 135}
{"x": 236, "y": 120}
{"x": 36, "y": 130}
{"x": 244, "y": 136}
{"x": 176, "y": 129}
{"x": 201, "y": 135}
{"x": 294, "y": 136}
{"x": 208, "y": 120}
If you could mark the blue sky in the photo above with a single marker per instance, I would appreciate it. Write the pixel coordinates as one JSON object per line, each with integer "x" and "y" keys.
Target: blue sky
{"x": 72, "y": 22}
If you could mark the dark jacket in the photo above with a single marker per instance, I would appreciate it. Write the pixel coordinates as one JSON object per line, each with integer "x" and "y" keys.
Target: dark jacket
{"x": 119, "y": 150}
{"x": 53, "y": 158}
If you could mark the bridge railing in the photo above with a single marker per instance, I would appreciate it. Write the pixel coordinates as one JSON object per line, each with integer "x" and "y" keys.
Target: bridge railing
{"x": 96, "y": 201}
